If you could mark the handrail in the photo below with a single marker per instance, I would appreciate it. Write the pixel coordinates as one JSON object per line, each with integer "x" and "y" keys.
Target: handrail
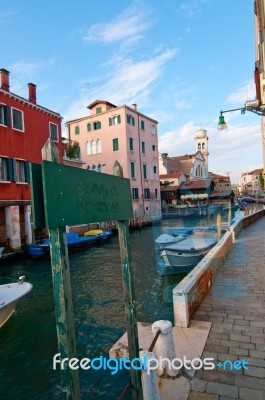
{"x": 129, "y": 384}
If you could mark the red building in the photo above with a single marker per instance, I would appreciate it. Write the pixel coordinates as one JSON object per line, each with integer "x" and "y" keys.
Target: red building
{"x": 24, "y": 128}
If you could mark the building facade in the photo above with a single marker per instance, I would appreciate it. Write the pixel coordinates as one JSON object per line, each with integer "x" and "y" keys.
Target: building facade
{"x": 249, "y": 184}
{"x": 24, "y": 128}
{"x": 121, "y": 133}
{"x": 259, "y": 72}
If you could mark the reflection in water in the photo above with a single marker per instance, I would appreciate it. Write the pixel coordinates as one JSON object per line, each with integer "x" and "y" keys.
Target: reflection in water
{"x": 28, "y": 341}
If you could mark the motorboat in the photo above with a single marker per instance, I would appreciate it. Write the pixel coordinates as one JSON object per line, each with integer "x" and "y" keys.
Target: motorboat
{"x": 165, "y": 239}
{"x": 186, "y": 254}
{"x": 74, "y": 242}
{"x": 10, "y": 294}
{"x": 177, "y": 235}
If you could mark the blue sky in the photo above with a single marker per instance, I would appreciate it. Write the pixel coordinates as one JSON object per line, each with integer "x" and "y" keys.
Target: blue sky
{"x": 181, "y": 62}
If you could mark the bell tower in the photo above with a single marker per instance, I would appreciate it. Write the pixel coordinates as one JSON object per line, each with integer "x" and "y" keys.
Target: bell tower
{"x": 201, "y": 140}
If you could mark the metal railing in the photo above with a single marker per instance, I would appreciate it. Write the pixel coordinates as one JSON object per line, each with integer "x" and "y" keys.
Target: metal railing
{"x": 129, "y": 384}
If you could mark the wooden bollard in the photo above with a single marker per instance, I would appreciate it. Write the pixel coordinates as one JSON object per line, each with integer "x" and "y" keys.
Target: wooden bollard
{"x": 219, "y": 226}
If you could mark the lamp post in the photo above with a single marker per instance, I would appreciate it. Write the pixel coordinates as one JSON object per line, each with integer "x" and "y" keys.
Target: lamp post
{"x": 252, "y": 106}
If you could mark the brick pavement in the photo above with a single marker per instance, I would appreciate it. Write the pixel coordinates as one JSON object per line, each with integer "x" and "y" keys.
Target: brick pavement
{"x": 236, "y": 308}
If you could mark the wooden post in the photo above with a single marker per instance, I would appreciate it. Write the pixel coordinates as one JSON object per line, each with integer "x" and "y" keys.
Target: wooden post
{"x": 219, "y": 226}
{"x": 129, "y": 296}
{"x": 229, "y": 214}
{"x": 62, "y": 296}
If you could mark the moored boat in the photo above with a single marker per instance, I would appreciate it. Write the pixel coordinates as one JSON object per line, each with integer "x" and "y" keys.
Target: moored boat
{"x": 74, "y": 242}
{"x": 183, "y": 256}
{"x": 10, "y": 294}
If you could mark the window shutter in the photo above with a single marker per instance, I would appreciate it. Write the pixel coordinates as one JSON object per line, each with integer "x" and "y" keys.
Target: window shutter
{"x": 11, "y": 169}
{"x": 133, "y": 121}
{"x": 119, "y": 119}
{"x": 89, "y": 127}
{"x": 7, "y": 115}
{"x": 98, "y": 125}
{"x": 128, "y": 118}
{"x": 110, "y": 121}
{"x": 27, "y": 176}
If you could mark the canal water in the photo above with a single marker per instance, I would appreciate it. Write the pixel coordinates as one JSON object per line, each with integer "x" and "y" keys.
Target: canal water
{"x": 28, "y": 340}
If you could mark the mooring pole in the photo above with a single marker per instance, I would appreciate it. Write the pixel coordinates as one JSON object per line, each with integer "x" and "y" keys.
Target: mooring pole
{"x": 129, "y": 296}
{"x": 62, "y": 296}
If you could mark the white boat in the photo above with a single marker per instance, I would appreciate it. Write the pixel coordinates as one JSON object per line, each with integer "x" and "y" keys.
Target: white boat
{"x": 10, "y": 294}
{"x": 183, "y": 256}
{"x": 165, "y": 239}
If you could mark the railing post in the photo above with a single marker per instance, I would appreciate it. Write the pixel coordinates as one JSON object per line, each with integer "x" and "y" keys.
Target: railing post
{"x": 219, "y": 226}
{"x": 164, "y": 348}
{"x": 149, "y": 378}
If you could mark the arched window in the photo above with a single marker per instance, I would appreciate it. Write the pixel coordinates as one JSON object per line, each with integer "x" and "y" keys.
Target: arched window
{"x": 198, "y": 171}
{"x": 94, "y": 168}
{"x": 199, "y": 146}
{"x": 203, "y": 146}
{"x": 98, "y": 146}
{"x": 88, "y": 148}
{"x": 89, "y": 128}
{"x": 77, "y": 130}
{"x": 93, "y": 147}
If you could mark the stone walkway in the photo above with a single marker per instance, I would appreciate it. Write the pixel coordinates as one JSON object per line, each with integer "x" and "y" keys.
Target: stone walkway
{"x": 236, "y": 308}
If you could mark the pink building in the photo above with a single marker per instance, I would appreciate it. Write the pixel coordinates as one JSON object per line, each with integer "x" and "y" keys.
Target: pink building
{"x": 122, "y": 133}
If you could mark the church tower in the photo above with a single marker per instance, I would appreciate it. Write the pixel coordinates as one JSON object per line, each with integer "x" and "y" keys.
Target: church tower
{"x": 201, "y": 140}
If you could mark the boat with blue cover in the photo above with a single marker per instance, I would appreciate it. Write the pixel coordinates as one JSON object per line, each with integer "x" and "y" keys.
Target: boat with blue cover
{"x": 74, "y": 242}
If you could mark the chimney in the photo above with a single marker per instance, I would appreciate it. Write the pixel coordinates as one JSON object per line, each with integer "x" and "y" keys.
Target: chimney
{"x": 4, "y": 79}
{"x": 32, "y": 93}
{"x": 134, "y": 107}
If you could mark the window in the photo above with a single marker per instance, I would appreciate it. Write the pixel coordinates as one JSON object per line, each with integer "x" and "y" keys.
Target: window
{"x": 144, "y": 171}
{"x": 115, "y": 144}
{"x": 132, "y": 169}
{"x": 199, "y": 146}
{"x": 93, "y": 126}
{"x": 143, "y": 147}
{"x": 98, "y": 146}
{"x": 4, "y": 115}
{"x": 135, "y": 193}
{"x": 21, "y": 171}
{"x": 130, "y": 119}
{"x": 77, "y": 130}
{"x": 146, "y": 193}
{"x": 88, "y": 148}
{"x": 153, "y": 147}
{"x": 154, "y": 169}
{"x": 142, "y": 125}
{"x": 131, "y": 143}
{"x": 156, "y": 193}
{"x": 3, "y": 169}
{"x": 17, "y": 119}
{"x": 203, "y": 146}
{"x": 98, "y": 110}
{"x": 153, "y": 129}
{"x": 53, "y": 132}
{"x": 115, "y": 120}
{"x": 93, "y": 147}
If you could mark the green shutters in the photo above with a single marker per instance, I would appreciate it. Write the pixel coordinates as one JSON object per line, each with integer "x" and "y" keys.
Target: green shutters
{"x": 135, "y": 193}
{"x": 89, "y": 128}
{"x": 119, "y": 119}
{"x": 146, "y": 193}
{"x": 132, "y": 169}
{"x": 130, "y": 119}
{"x": 110, "y": 121}
{"x": 133, "y": 123}
{"x": 6, "y": 116}
{"x": 115, "y": 144}
{"x": 27, "y": 176}
{"x": 143, "y": 147}
{"x": 145, "y": 171}
{"x": 77, "y": 130}
{"x": 11, "y": 169}
{"x": 142, "y": 125}
{"x": 131, "y": 143}
{"x": 98, "y": 110}
{"x": 98, "y": 125}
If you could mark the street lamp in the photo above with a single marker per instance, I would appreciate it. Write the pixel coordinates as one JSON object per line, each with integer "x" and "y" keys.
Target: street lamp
{"x": 251, "y": 105}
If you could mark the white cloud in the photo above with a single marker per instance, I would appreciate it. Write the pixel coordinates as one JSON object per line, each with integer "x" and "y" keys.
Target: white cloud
{"x": 192, "y": 8}
{"x": 243, "y": 93}
{"x": 128, "y": 26}
{"x": 233, "y": 151}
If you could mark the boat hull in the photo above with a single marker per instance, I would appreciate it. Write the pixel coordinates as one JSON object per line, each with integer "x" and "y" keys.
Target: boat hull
{"x": 10, "y": 294}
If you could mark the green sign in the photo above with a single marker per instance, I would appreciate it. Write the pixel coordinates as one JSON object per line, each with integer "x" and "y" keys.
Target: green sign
{"x": 78, "y": 196}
